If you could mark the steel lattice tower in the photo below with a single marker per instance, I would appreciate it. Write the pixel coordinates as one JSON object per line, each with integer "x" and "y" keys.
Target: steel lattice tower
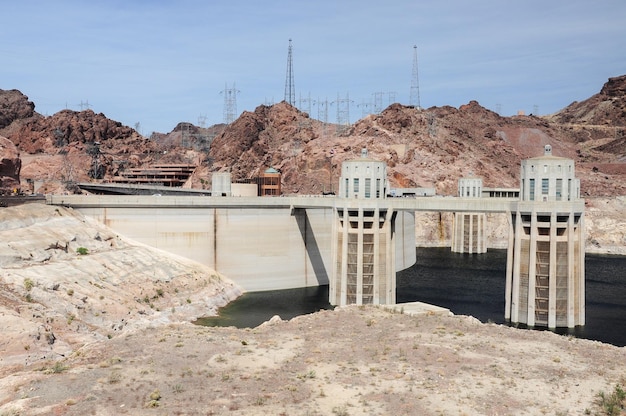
{"x": 343, "y": 113}
{"x": 290, "y": 89}
{"x": 415, "y": 86}
{"x": 230, "y": 103}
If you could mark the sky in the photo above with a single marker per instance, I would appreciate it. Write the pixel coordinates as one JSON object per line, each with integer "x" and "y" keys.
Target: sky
{"x": 151, "y": 64}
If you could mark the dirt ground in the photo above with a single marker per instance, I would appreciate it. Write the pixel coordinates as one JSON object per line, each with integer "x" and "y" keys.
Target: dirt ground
{"x": 350, "y": 361}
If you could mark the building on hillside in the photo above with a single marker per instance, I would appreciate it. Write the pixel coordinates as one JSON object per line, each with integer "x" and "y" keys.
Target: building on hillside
{"x": 269, "y": 183}
{"x": 172, "y": 175}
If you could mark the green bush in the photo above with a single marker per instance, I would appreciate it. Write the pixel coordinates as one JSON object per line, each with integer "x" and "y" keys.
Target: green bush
{"x": 82, "y": 251}
{"x": 28, "y": 284}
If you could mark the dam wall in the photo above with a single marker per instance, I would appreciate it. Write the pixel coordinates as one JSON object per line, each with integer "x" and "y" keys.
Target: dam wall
{"x": 259, "y": 243}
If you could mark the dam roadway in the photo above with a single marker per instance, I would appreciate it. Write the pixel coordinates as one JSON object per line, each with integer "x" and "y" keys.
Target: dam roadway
{"x": 427, "y": 204}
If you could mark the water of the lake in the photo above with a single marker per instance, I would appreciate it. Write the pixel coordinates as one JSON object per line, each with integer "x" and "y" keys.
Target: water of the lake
{"x": 464, "y": 283}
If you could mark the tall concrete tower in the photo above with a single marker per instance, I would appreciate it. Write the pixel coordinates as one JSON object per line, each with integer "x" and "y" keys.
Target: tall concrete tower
{"x": 290, "y": 89}
{"x": 364, "y": 255}
{"x": 468, "y": 230}
{"x": 545, "y": 283}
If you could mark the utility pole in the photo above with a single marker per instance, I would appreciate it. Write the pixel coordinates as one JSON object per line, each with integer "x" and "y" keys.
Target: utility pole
{"x": 290, "y": 89}
{"x": 415, "y": 86}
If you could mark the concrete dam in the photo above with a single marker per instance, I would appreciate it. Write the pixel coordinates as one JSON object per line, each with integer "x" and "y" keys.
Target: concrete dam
{"x": 356, "y": 241}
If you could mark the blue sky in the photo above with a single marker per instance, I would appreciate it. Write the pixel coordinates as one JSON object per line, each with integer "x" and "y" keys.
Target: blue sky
{"x": 158, "y": 63}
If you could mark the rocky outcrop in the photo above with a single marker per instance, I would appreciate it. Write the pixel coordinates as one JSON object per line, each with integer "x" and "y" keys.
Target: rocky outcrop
{"x": 607, "y": 108}
{"x": 78, "y": 128}
{"x": 10, "y": 165}
{"x": 14, "y": 106}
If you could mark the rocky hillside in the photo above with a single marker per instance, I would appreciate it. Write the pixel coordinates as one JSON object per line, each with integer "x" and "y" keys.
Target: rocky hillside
{"x": 423, "y": 147}
{"x": 10, "y": 166}
{"x": 66, "y": 281}
{"x": 428, "y": 147}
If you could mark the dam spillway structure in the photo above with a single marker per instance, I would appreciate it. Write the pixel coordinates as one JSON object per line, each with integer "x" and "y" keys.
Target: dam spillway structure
{"x": 468, "y": 228}
{"x": 364, "y": 269}
{"x": 545, "y": 282}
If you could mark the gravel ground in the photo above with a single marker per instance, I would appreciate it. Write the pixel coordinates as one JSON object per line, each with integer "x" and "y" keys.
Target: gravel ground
{"x": 350, "y": 361}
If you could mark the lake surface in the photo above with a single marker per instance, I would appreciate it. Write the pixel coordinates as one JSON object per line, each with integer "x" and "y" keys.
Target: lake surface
{"x": 467, "y": 284}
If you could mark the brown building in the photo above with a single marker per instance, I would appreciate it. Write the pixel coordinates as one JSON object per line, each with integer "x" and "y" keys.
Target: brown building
{"x": 269, "y": 183}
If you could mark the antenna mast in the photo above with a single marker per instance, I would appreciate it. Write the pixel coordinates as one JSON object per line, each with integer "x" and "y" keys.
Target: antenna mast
{"x": 290, "y": 89}
{"x": 415, "y": 85}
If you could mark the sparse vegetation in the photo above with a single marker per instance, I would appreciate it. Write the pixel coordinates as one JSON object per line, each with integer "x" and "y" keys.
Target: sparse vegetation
{"x": 115, "y": 377}
{"x": 57, "y": 367}
{"x": 28, "y": 284}
{"x": 82, "y": 251}
{"x": 613, "y": 403}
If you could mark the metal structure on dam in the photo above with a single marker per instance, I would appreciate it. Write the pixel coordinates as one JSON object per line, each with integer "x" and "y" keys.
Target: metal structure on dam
{"x": 356, "y": 241}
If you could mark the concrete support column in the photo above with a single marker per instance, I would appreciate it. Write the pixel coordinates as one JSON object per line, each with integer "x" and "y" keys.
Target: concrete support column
{"x": 343, "y": 281}
{"x": 571, "y": 281}
{"x": 359, "y": 261}
{"x": 580, "y": 236}
{"x": 517, "y": 253}
{"x": 390, "y": 258}
{"x": 552, "y": 280}
{"x": 509, "y": 268}
{"x": 532, "y": 269}
{"x": 377, "y": 277}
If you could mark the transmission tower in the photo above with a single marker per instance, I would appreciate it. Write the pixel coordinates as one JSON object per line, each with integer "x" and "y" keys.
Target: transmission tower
{"x": 343, "y": 113}
{"x": 378, "y": 100}
{"x": 84, "y": 105}
{"x": 304, "y": 104}
{"x": 290, "y": 89}
{"x": 365, "y": 108}
{"x": 415, "y": 85}
{"x": 230, "y": 103}
{"x": 322, "y": 110}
